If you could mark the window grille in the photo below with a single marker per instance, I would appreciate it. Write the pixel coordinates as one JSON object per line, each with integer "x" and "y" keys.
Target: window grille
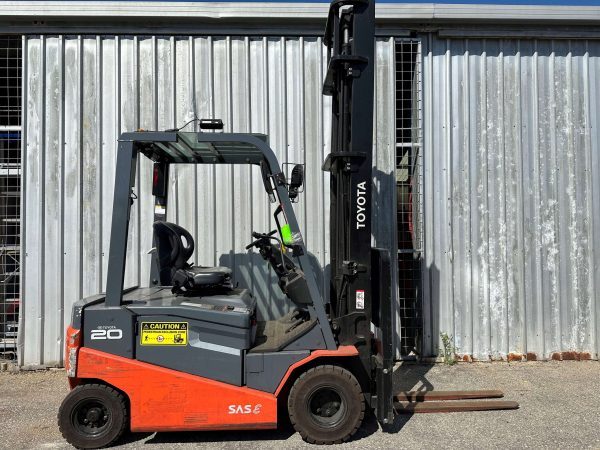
{"x": 409, "y": 192}
{"x": 10, "y": 193}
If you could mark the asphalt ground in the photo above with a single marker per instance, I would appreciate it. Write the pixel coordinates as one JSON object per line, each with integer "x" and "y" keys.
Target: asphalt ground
{"x": 560, "y": 409}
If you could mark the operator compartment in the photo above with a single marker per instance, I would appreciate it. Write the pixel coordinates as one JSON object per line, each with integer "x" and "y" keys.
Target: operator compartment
{"x": 194, "y": 320}
{"x": 205, "y": 335}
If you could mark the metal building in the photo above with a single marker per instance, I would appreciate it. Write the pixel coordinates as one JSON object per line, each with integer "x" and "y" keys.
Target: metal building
{"x": 487, "y": 164}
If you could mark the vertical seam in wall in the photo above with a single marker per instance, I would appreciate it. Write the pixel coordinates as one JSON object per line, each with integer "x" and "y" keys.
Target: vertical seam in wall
{"x": 284, "y": 110}
{"x": 552, "y": 74}
{"x": 521, "y": 196}
{"x": 266, "y": 111}
{"x": 449, "y": 207}
{"x": 392, "y": 139}
{"x": 173, "y": 70}
{"x": 118, "y": 86}
{"x": 174, "y": 174}
{"x": 42, "y": 190}
{"x": 467, "y": 125}
{"x": 283, "y": 73}
{"x": 303, "y": 128}
{"x": 212, "y": 115}
{"x": 155, "y": 82}
{"x": 429, "y": 184}
{"x": 576, "y": 217}
{"x": 138, "y": 163}
{"x": 117, "y": 107}
{"x": 192, "y": 93}
{"x": 321, "y": 150}
{"x": 192, "y": 80}
{"x": 23, "y": 198}
{"x": 265, "y": 45}
{"x": 100, "y": 168}
{"x": 230, "y": 170}
{"x": 154, "y": 61}
{"x": 80, "y": 161}
{"x": 538, "y": 193}
{"x": 503, "y": 189}
{"x": 61, "y": 140}
{"x": 572, "y": 228}
{"x": 485, "y": 182}
{"x": 590, "y": 200}
{"x": 249, "y": 169}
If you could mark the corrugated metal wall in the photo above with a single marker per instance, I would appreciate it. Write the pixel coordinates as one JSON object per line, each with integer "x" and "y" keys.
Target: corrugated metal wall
{"x": 512, "y": 188}
{"x": 511, "y": 175}
{"x": 80, "y": 92}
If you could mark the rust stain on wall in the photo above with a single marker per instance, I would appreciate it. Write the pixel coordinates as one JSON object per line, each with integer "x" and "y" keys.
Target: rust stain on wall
{"x": 512, "y": 357}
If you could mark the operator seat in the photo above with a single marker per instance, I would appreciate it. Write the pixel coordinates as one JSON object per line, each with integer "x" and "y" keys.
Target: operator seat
{"x": 174, "y": 246}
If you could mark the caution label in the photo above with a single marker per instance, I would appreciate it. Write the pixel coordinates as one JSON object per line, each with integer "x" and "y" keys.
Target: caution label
{"x": 164, "y": 333}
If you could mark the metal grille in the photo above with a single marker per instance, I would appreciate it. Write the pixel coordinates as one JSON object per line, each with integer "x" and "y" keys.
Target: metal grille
{"x": 409, "y": 192}
{"x": 10, "y": 192}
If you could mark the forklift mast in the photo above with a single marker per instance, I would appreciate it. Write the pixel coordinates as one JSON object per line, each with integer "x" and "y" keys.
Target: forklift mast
{"x": 360, "y": 289}
{"x": 350, "y": 83}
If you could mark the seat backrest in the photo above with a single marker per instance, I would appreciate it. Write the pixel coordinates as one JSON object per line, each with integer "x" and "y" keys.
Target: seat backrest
{"x": 174, "y": 246}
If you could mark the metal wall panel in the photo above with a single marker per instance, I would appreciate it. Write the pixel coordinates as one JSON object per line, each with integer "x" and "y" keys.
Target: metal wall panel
{"x": 511, "y": 197}
{"x": 80, "y": 92}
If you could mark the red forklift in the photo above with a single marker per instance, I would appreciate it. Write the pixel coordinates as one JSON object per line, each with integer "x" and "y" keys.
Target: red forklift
{"x": 189, "y": 352}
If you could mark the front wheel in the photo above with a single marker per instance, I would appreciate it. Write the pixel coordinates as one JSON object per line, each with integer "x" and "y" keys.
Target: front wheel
{"x": 93, "y": 416}
{"x": 326, "y": 405}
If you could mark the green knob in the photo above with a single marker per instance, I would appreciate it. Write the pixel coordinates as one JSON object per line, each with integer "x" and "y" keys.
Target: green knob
{"x": 286, "y": 235}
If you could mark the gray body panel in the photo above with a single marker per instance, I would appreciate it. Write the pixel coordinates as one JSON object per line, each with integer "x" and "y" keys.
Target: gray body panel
{"x": 312, "y": 340}
{"x": 109, "y": 330}
{"x": 234, "y": 308}
{"x": 221, "y": 331}
{"x": 264, "y": 371}
{"x": 215, "y": 353}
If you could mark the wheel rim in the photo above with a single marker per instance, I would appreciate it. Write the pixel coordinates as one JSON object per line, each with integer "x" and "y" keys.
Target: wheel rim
{"x": 91, "y": 417}
{"x": 326, "y": 406}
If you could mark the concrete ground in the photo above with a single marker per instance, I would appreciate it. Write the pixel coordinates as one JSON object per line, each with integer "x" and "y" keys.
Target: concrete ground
{"x": 560, "y": 406}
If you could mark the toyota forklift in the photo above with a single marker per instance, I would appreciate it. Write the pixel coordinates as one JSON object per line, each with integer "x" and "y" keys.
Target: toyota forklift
{"x": 189, "y": 352}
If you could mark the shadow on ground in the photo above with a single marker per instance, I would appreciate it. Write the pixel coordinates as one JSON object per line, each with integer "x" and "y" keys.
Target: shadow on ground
{"x": 409, "y": 377}
{"x": 281, "y": 433}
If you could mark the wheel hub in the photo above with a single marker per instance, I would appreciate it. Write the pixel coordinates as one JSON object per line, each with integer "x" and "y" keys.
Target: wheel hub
{"x": 93, "y": 415}
{"x": 326, "y": 407}
{"x": 90, "y": 417}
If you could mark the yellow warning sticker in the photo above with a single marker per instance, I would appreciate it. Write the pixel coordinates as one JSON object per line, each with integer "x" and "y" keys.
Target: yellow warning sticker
{"x": 164, "y": 333}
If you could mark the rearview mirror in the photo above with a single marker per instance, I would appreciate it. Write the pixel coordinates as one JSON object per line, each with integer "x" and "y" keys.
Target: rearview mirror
{"x": 296, "y": 181}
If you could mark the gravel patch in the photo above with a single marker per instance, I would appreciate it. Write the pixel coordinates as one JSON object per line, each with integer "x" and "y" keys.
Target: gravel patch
{"x": 560, "y": 402}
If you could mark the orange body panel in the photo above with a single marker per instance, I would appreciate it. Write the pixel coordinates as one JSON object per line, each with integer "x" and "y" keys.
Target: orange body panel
{"x": 167, "y": 400}
{"x": 343, "y": 351}
{"x": 162, "y": 399}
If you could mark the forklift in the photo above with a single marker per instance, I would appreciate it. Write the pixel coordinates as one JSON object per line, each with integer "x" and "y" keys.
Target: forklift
{"x": 189, "y": 352}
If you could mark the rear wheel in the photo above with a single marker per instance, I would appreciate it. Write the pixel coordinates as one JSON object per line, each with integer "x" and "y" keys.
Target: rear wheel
{"x": 93, "y": 416}
{"x": 326, "y": 405}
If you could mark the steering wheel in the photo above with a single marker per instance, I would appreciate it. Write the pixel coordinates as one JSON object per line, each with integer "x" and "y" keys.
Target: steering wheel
{"x": 261, "y": 239}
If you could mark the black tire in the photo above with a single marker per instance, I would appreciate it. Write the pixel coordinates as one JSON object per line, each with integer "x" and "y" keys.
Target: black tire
{"x": 326, "y": 405}
{"x": 93, "y": 416}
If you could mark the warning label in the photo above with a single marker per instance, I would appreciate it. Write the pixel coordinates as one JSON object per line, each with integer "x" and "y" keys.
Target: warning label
{"x": 164, "y": 333}
{"x": 360, "y": 299}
